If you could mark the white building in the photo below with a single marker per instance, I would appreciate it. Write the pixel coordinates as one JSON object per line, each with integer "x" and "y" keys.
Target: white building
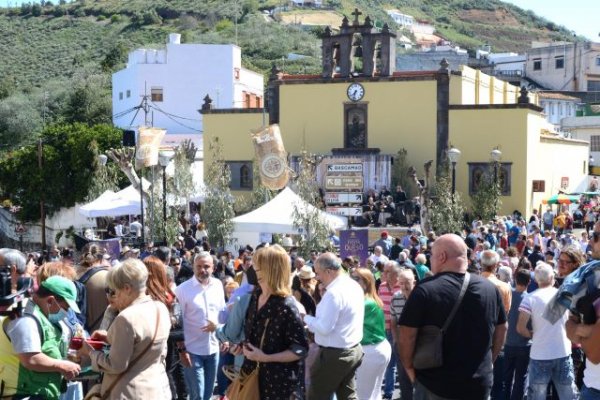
{"x": 176, "y": 79}
{"x": 558, "y": 106}
{"x": 401, "y": 19}
{"x": 586, "y": 128}
{"x": 564, "y": 65}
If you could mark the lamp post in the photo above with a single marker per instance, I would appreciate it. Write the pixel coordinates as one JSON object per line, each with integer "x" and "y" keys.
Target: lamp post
{"x": 496, "y": 155}
{"x": 453, "y": 156}
{"x": 164, "y": 159}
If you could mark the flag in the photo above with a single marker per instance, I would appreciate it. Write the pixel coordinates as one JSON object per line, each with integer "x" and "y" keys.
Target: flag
{"x": 271, "y": 157}
{"x": 148, "y": 144}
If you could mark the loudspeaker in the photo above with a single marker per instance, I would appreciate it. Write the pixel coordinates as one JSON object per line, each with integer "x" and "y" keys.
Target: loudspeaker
{"x": 128, "y": 138}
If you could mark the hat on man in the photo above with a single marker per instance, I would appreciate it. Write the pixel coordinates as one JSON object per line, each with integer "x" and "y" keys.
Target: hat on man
{"x": 128, "y": 249}
{"x": 306, "y": 272}
{"x": 384, "y": 234}
{"x": 64, "y": 288}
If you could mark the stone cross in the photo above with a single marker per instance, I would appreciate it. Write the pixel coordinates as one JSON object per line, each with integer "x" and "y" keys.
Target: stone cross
{"x": 356, "y": 13}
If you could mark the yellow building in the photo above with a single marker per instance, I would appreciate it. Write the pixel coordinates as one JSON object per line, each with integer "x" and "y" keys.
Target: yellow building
{"x": 369, "y": 114}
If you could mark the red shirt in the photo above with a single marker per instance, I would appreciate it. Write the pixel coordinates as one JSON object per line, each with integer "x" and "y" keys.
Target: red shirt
{"x": 386, "y": 297}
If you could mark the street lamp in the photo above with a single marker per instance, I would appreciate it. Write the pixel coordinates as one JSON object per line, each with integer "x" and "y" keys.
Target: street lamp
{"x": 102, "y": 159}
{"x": 453, "y": 155}
{"x": 496, "y": 155}
{"x": 164, "y": 159}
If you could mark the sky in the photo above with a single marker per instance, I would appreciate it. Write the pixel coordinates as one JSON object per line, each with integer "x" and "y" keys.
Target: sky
{"x": 580, "y": 16}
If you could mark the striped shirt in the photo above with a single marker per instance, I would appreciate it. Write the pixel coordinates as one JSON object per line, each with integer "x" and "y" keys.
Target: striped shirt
{"x": 385, "y": 294}
{"x": 398, "y": 302}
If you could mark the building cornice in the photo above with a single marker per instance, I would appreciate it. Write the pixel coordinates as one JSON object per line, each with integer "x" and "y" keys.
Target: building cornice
{"x": 233, "y": 111}
{"x": 513, "y": 106}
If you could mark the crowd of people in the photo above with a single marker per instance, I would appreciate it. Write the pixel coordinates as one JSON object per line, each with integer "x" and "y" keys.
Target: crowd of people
{"x": 184, "y": 321}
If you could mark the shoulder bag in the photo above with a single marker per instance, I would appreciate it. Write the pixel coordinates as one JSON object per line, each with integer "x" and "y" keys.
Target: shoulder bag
{"x": 430, "y": 339}
{"x": 245, "y": 386}
{"x": 96, "y": 390}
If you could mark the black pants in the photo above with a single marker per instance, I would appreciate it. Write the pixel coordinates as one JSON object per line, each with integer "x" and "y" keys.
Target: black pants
{"x": 175, "y": 372}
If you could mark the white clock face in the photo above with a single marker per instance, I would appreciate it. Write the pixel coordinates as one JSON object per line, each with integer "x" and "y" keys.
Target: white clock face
{"x": 356, "y": 92}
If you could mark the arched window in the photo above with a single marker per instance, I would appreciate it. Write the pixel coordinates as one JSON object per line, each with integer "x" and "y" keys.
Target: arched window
{"x": 245, "y": 177}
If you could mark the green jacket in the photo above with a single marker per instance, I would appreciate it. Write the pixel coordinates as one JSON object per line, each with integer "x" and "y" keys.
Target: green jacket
{"x": 46, "y": 384}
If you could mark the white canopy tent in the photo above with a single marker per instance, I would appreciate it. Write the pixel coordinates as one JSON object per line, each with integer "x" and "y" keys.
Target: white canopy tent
{"x": 111, "y": 204}
{"x": 277, "y": 216}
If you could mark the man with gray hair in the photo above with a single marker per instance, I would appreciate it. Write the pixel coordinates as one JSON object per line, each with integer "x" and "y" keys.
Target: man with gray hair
{"x": 16, "y": 262}
{"x": 489, "y": 263}
{"x": 338, "y": 329}
{"x": 550, "y": 356}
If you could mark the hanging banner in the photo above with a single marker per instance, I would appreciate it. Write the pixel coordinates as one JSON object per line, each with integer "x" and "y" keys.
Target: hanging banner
{"x": 148, "y": 144}
{"x": 355, "y": 243}
{"x": 271, "y": 157}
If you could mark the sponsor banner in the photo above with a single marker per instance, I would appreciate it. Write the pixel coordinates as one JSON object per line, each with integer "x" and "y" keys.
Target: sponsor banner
{"x": 355, "y": 243}
{"x": 271, "y": 157}
{"x": 148, "y": 144}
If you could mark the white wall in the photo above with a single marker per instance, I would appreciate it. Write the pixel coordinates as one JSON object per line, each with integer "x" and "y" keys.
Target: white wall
{"x": 186, "y": 73}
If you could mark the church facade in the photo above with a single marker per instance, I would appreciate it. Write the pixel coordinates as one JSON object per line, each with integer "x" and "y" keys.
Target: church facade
{"x": 359, "y": 109}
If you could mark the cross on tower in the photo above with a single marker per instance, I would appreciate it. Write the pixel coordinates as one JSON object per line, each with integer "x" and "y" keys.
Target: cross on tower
{"x": 356, "y": 13}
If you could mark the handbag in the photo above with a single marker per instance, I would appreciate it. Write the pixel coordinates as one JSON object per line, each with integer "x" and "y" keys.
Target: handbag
{"x": 95, "y": 391}
{"x": 429, "y": 345}
{"x": 245, "y": 385}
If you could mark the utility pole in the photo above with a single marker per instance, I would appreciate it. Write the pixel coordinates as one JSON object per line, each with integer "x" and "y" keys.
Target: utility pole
{"x": 42, "y": 197}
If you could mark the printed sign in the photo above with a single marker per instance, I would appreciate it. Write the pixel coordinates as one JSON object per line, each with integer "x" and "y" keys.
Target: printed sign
{"x": 344, "y": 182}
{"x": 338, "y": 168}
{"x": 338, "y": 198}
{"x": 345, "y": 211}
{"x": 355, "y": 243}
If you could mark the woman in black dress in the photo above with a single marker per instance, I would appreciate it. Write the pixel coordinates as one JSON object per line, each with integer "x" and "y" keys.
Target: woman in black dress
{"x": 285, "y": 345}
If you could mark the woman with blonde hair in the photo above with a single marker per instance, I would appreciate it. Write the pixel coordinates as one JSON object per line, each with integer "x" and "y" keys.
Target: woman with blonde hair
{"x": 377, "y": 350}
{"x": 274, "y": 330}
{"x": 134, "y": 367}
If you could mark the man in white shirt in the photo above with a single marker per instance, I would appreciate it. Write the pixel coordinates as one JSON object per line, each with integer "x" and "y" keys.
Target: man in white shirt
{"x": 550, "y": 356}
{"x": 135, "y": 227}
{"x": 201, "y": 299}
{"x": 338, "y": 329}
{"x": 378, "y": 256}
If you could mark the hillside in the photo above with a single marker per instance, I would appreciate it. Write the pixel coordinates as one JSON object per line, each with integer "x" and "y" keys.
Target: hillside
{"x": 53, "y": 42}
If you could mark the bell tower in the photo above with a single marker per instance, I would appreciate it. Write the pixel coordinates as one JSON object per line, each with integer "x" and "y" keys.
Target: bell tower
{"x": 358, "y": 50}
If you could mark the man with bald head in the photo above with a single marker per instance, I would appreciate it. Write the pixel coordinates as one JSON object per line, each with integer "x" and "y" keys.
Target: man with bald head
{"x": 473, "y": 338}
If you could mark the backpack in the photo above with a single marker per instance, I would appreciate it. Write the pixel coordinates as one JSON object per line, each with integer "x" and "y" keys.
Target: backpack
{"x": 9, "y": 361}
{"x": 82, "y": 296}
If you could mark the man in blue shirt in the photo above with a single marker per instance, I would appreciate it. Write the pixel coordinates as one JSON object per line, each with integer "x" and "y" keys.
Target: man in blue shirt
{"x": 516, "y": 347}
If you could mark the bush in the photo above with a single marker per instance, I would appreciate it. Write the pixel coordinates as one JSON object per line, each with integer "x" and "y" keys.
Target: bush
{"x": 115, "y": 18}
{"x": 223, "y": 25}
{"x": 58, "y": 11}
{"x": 151, "y": 17}
{"x": 79, "y": 13}
{"x": 101, "y": 17}
{"x": 36, "y": 10}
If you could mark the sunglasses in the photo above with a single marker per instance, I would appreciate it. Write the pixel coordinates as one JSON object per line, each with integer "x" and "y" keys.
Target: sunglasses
{"x": 110, "y": 292}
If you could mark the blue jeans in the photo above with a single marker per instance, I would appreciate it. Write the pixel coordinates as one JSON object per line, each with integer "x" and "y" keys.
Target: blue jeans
{"x": 559, "y": 371}
{"x": 389, "y": 379}
{"x": 200, "y": 377}
{"x": 516, "y": 361}
{"x": 223, "y": 381}
{"x": 589, "y": 393}
{"x": 497, "y": 387}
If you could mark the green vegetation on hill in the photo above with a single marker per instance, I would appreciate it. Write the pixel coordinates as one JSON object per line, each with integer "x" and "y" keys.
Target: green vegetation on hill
{"x": 57, "y": 59}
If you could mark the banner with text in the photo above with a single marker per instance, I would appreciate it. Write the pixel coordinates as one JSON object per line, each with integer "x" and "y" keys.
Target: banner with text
{"x": 355, "y": 243}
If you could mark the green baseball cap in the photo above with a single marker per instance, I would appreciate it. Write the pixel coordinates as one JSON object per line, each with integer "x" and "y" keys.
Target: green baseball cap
{"x": 64, "y": 288}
